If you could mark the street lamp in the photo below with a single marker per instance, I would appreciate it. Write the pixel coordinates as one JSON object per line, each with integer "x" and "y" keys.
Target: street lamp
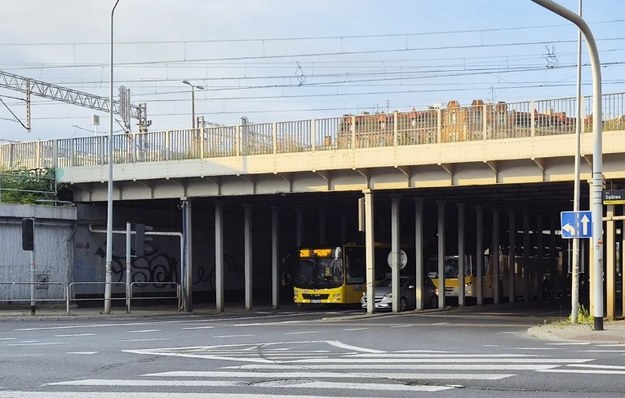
{"x": 597, "y": 157}
{"x": 109, "y": 201}
{"x": 193, "y": 87}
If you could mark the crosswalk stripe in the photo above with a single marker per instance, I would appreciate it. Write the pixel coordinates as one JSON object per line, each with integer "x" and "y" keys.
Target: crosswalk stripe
{"x": 584, "y": 371}
{"x": 331, "y": 375}
{"x": 400, "y": 367}
{"x": 268, "y": 384}
{"x": 92, "y": 394}
{"x": 356, "y": 386}
{"x": 439, "y": 360}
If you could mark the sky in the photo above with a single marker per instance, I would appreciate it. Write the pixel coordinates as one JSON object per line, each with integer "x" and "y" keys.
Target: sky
{"x": 280, "y": 60}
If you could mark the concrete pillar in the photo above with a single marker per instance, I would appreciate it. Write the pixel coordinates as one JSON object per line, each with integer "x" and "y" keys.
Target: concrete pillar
{"x": 479, "y": 255}
{"x": 441, "y": 253}
{"x": 369, "y": 251}
{"x": 526, "y": 257}
{"x": 219, "y": 257}
{"x": 420, "y": 272}
{"x": 186, "y": 268}
{"x": 395, "y": 252}
{"x": 461, "y": 262}
{"x": 247, "y": 247}
{"x": 275, "y": 277}
{"x": 494, "y": 258}
{"x": 554, "y": 277}
{"x": 540, "y": 255}
{"x": 511, "y": 255}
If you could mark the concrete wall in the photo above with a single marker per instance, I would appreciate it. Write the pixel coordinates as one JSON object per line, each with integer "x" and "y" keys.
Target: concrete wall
{"x": 54, "y": 227}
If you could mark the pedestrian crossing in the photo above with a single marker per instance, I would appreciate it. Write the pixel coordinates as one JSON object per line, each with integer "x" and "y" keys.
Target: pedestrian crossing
{"x": 317, "y": 369}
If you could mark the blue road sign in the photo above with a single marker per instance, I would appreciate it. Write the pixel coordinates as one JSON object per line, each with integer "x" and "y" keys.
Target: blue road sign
{"x": 576, "y": 224}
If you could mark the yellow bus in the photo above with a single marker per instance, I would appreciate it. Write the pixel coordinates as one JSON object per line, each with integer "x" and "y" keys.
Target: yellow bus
{"x": 530, "y": 268}
{"x": 327, "y": 275}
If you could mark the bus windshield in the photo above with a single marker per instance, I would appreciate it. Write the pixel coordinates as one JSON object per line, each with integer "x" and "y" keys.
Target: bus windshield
{"x": 319, "y": 273}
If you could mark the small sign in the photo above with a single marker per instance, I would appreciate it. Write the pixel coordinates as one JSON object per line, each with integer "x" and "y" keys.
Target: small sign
{"x": 576, "y": 224}
{"x": 616, "y": 197}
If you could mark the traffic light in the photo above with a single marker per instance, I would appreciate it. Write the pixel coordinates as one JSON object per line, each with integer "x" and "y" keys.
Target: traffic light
{"x": 28, "y": 234}
{"x": 139, "y": 240}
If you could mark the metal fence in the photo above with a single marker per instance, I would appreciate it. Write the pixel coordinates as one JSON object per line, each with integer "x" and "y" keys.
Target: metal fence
{"x": 478, "y": 121}
{"x": 16, "y": 292}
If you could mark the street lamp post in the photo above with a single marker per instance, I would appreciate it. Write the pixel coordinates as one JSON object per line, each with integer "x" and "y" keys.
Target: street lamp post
{"x": 193, "y": 87}
{"x": 109, "y": 202}
{"x": 597, "y": 157}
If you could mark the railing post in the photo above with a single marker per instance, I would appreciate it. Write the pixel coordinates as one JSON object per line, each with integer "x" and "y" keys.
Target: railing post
{"x": 71, "y": 152}
{"x": 395, "y": 129}
{"x": 353, "y": 131}
{"x": 484, "y": 122}
{"x": 55, "y": 153}
{"x": 313, "y": 134}
{"x": 532, "y": 119}
{"x": 38, "y": 154}
{"x": 167, "y": 145}
{"x": 274, "y": 137}
{"x": 11, "y": 155}
{"x": 237, "y": 140}
{"x": 202, "y": 131}
{"x": 439, "y": 125}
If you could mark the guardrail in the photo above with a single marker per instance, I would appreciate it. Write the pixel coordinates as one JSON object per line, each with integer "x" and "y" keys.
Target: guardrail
{"x": 68, "y": 293}
{"x": 178, "y": 294}
{"x": 38, "y": 286}
{"x": 454, "y": 123}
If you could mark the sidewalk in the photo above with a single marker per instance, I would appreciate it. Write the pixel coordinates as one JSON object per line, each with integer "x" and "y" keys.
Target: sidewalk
{"x": 613, "y": 332}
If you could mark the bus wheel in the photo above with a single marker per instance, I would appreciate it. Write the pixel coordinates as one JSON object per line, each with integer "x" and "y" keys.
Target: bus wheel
{"x": 403, "y": 304}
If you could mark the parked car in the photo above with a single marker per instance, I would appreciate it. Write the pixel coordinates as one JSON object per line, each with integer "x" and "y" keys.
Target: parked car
{"x": 407, "y": 294}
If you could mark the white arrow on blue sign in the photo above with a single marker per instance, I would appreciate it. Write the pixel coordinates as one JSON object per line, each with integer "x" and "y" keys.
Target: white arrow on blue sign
{"x": 576, "y": 224}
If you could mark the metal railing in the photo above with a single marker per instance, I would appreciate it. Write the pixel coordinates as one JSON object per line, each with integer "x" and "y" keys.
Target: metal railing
{"x": 432, "y": 126}
{"x": 177, "y": 291}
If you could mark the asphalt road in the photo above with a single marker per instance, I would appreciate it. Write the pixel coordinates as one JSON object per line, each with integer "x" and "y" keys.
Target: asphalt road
{"x": 316, "y": 353}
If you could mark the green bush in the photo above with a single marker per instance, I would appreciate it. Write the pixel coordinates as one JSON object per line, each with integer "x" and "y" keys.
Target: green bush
{"x": 27, "y": 186}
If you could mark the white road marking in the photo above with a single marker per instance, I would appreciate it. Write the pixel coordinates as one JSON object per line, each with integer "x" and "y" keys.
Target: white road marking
{"x": 47, "y": 394}
{"x": 354, "y": 329}
{"x": 584, "y": 371}
{"x": 570, "y": 343}
{"x": 333, "y": 375}
{"x": 442, "y": 360}
{"x": 305, "y": 332}
{"x": 338, "y": 344}
{"x": 355, "y": 386}
{"x": 441, "y": 355}
{"x": 402, "y": 326}
{"x": 199, "y": 327}
{"x": 267, "y": 384}
{"x": 81, "y": 352}
{"x": 234, "y": 335}
{"x": 135, "y": 340}
{"x": 595, "y": 366}
{"x": 421, "y": 352}
{"x": 7, "y": 338}
{"x": 451, "y": 366}
{"x": 74, "y": 335}
{"x": 143, "y": 331}
{"x": 38, "y": 343}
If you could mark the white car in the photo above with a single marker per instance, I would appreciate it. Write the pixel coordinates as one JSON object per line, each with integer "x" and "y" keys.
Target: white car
{"x": 407, "y": 298}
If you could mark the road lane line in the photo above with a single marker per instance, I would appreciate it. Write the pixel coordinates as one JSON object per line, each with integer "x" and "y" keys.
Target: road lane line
{"x": 126, "y": 394}
{"x": 136, "y": 340}
{"x": 333, "y": 375}
{"x": 38, "y": 343}
{"x": 143, "y": 331}
{"x": 506, "y": 367}
{"x": 234, "y": 335}
{"x": 199, "y": 327}
{"x": 338, "y": 344}
{"x": 305, "y": 332}
{"x": 74, "y": 335}
{"x": 81, "y": 352}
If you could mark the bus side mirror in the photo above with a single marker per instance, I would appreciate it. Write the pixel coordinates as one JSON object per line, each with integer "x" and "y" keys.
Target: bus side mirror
{"x": 338, "y": 253}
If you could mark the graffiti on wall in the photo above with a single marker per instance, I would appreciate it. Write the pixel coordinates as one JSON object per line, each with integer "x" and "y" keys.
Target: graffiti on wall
{"x": 158, "y": 269}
